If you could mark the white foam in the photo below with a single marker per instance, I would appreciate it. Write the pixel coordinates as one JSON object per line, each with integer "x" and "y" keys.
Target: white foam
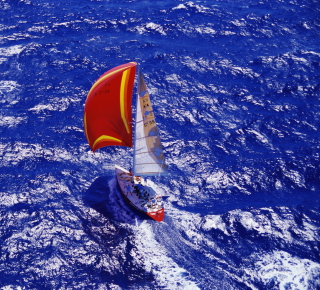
{"x": 11, "y": 50}
{"x": 11, "y": 121}
{"x": 205, "y": 30}
{"x": 167, "y": 273}
{"x": 261, "y": 137}
{"x": 287, "y": 271}
{"x": 12, "y": 198}
{"x": 295, "y": 176}
{"x": 12, "y": 287}
{"x": 155, "y": 27}
{"x": 57, "y": 104}
{"x": 199, "y": 8}
{"x": 145, "y": 28}
{"x": 214, "y": 222}
{"x": 8, "y": 86}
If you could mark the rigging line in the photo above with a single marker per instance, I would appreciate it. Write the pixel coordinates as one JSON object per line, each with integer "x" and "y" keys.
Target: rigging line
{"x": 149, "y": 163}
{"x": 151, "y": 172}
{"x": 155, "y": 136}
{"x": 145, "y": 152}
{"x": 145, "y": 120}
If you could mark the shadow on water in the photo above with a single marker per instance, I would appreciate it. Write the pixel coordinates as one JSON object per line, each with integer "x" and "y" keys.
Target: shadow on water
{"x": 98, "y": 194}
{"x": 112, "y": 230}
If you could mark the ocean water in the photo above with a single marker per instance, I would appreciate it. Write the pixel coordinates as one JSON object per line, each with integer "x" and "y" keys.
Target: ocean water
{"x": 235, "y": 88}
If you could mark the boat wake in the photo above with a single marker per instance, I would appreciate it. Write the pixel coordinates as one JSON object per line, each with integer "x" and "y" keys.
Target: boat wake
{"x": 150, "y": 253}
{"x": 188, "y": 240}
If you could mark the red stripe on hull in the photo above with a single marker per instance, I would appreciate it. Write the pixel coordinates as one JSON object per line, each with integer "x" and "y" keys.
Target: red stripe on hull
{"x": 157, "y": 215}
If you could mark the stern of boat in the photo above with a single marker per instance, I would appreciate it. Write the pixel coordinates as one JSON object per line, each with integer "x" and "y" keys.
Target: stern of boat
{"x": 157, "y": 215}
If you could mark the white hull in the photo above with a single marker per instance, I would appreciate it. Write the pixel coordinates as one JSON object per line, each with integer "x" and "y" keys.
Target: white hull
{"x": 139, "y": 194}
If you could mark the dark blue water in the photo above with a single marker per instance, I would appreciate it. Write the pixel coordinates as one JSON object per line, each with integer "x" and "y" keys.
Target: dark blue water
{"x": 235, "y": 87}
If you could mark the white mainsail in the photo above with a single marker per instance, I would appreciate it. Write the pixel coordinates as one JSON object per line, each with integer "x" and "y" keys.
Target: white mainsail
{"x": 148, "y": 152}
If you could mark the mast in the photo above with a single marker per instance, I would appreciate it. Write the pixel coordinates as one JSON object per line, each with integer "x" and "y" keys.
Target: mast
{"x": 135, "y": 120}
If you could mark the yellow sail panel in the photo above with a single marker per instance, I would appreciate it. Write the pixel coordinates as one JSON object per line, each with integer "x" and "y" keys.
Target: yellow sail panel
{"x": 85, "y": 127}
{"x": 105, "y": 138}
{"x": 123, "y": 97}
{"x": 108, "y": 112}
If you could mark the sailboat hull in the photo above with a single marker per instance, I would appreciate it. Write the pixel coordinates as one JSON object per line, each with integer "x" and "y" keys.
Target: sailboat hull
{"x": 139, "y": 195}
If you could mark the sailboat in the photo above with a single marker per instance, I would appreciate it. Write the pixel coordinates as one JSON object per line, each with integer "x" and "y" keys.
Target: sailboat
{"x": 108, "y": 122}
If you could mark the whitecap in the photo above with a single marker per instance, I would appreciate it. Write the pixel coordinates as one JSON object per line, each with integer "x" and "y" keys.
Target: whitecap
{"x": 11, "y": 121}
{"x": 10, "y": 92}
{"x": 151, "y": 26}
{"x": 39, "y": 29}
{"x": 260, "y": 137}
{"x": 227, "y": 32}
{"x": 286, "y": 271}
{"x": 214, "y": 222}
{"x": 190, "y": 4}
{"x": 11, "y": 50}
{"x": 295, "y": 176}
{"x": 8, "y": 86}
{"x": 180, "y": 6}
{"x": 155, "y": 27}
{"x": 205, "y": 30}
{"x": 56, "y": 104}
{"x": 239, "y": 23}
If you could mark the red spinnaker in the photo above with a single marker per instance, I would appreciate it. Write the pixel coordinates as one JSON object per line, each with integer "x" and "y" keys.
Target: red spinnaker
{"x": 107, "y": 111}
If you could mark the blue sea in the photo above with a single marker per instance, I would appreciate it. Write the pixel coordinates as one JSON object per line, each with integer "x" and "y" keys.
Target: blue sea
{"x": 236, "y": 93}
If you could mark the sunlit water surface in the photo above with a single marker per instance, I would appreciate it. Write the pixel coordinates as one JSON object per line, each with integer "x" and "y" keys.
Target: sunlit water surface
{"x": 235, "y": 88}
